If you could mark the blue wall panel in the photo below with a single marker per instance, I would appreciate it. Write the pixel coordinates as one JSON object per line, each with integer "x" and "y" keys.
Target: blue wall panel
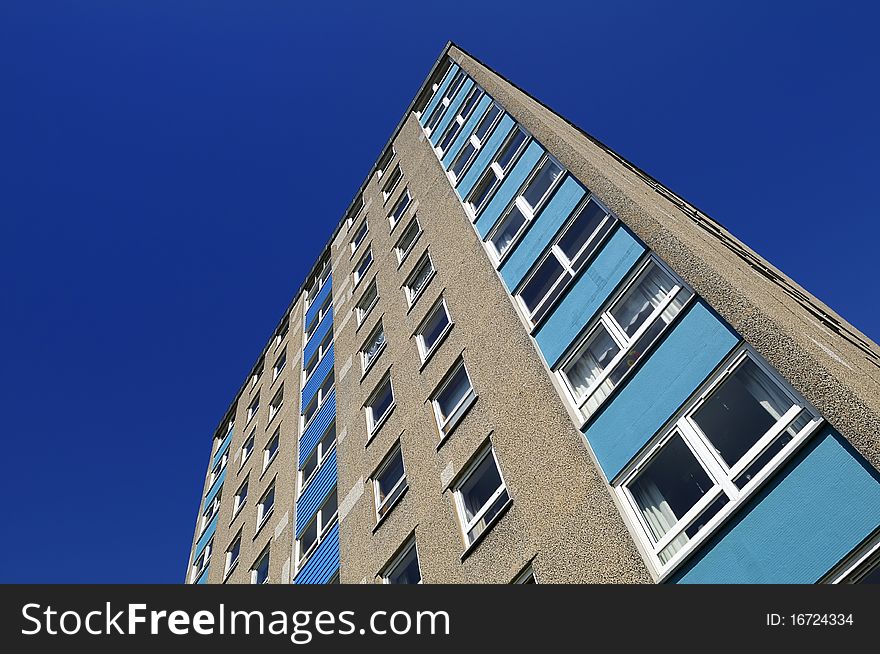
{"x": 317, "y": 427}
{"x": 507, "y": 191}
{"x": 215, "y": 487}
{"x": 438, "y": 95}
{"x": 451, "y": 111}
{"x": 466, "y": 130}
{"x": 682, "y": 361}
{"x": 485, "y": 156}
{"x": 206, "y": 536}
{"x": 588, "y": 293}
{"x": 319, "y": 300}
{"x": 203, "y": 578}
{"x": 317, "y": 378}
{"x": 324, "y": 563}
{"x": 809, "y": 516}
{"x": 313, "y": 343}
{"x": 541, "y": 232}
{"x": 220, "y": 450}
{"x": 309, "y": 502}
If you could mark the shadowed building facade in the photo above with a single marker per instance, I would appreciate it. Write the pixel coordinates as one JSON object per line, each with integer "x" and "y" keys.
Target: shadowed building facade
{"x": 522, "y": 359}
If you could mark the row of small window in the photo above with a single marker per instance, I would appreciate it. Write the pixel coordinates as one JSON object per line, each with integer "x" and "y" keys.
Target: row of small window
{"x": 402, "y": 247}
{"x": 320, "y": 279}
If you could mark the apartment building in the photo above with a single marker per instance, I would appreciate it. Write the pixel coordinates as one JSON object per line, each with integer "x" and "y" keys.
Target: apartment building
{"x": 522, "y": 359}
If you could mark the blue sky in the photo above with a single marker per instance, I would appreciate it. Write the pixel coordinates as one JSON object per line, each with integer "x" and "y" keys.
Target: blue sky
{"x": 169, "y": 170}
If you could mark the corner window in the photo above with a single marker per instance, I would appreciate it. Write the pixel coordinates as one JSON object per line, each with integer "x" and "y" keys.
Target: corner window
{"x": 572, "y": 249}
{"x": 317, "y": 528}
{"x": 389, "y": 482}
{"x": 526, "y": 205}
{"x": 271, "y": 449}
{"x": 316, "y": 459}
{"x": 407, "y": 240}
{"x": 480, "y": 495}
{"x": 359, "y": 236}
{"x": 260, "y": 571}
{"x": 404, "y": 568}
{"x": 728, "y": 440}
{"x": 379, "y": 405}
{"x": 453, "y": 398}
{"x": 469, "y": 151}
{"x": 232, "y": 555}
{"x": 366, "y": 303}
{"x": 391, "y": 183}
{"x": 482, "y": 192}
{"x": 622, "y": 335}
{"x": 432, "y": 329}
{"x": 400, "y": 208}
{"x": 363, "y": 266}
{"x": 418, "y": 279}
{"x": 265, "y": 505}
{"x": 374, "y": 345}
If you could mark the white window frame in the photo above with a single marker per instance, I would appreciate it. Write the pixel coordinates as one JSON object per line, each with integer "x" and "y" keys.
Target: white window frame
{"x": 403, "y": 252}
{"x": 391, "y": 183}
{"x": 360, "y": 270}
{"x": 571, "y": 267}
{"x": 230, "y": 564}
{"x": 365, "y": 363}
{"x": 240, "y": 500}
{"x": 375, "y": 422}
{"x": 279, "y": 364}
{"x": 322, "y": 350}
{"x": 625, "y": 343}
{"x": 456, "y": 124}
{"x": 205, "y": 556}
{"x": 210, "y": 511}
{"x": 350, "y": 218}
{"x": 424, "y": 351}
{"x": 499, "y": 173}
{"x": 321, "y": 396}
{"x": 857, "y": 564}
{"x": 245, "y": 451}
{"x": 447, "y": 424}
{"x": 276, "y": 403}
{"x": 684, "y": 427}
{"x": 413, "y": 296}
{"x": 262, "y": 513}
{"x": 217, "y": 469}
{"x": 398, "y": 211}
{"x": 281, "y": 333}
{"x": 253, "y": 409}
{"x": 394, "y": 563}
{"x": 384, "y": 161}
{"x": 528, "y": 212}
{"x": 362, "y": 312}
{"x": 325, "y": 308}
{"x": 324, "y": 524}
{"x": 451, "y": 91}
{"x": 523, "y": 577}
{"x": 320, "y": 279}
{"x": 396, "y": 492}
{"x": 359, "y": 237}
{"x": 269, "y": 456}
{"x": 263, "y": 555}
{"x": 475, "y": 142}
{"x": 468, "y": 525}
{"x": 323, "y": 453}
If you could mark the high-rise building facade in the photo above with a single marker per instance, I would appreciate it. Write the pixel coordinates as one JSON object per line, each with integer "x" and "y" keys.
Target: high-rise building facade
{"x": 520, "y": 358}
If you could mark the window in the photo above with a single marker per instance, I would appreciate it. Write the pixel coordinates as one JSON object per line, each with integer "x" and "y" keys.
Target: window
{"x": 379, "y": 405}
{"x": 571, "y": 250}
{"x": 240, "y": 498}
{"x": 453, "y": 398}
{"x": 280, "y": 334}
{"x": 232, "y": 555}
{"x": 253, "y": 408}
{"x": 482, "y": 192}
{"x": 260, "y": 571}
{"x": 457, "y": 81}
{"x": 407, "y": 240}
{"x": 528, "y": 202}
{"x": 323, "y": 348}
{"x": 359, "y": 236}
{"x": 271, "y": 449}
{"x": 389, "y": 482}
{"x": 217, "y": 469}
{"x": 363, "y": 266}
{"x": 404, "y": 568}
{"x": 314, "y": 461}
{"x": 862, "y": 566}
{"x": 210, "y": 511}
{"x": 247, "y": 447}
{"x": 465, "y": 157}
{"x": 366, "y": 303}
{"x": 353, "y": 212}
{"x": 373, "y": 346}
{"x": 265, "y": 505}
{"x": 623, "y": 333}
{"x": 418, "y": 279}
{"x": 317, "y": 528}
{"x": 458, "y": 122}
{"x": 432, "y": 329}
{"x": 202, "y": 561}
{"x": 279, "y": 365}
{"x": 257, "y": 372}
{"x": 480, "y": 495}
{"x": 391, "y": 183}
{"x": 325, "y": 308}
{"x": 400, "y": 208}
{"x": 384, "y": 162}
{"x": 275, "y": 404}
{"x": 526, "y": 577}
{"x": 727, "y": 441}
{"x": 317, "y": 402}
{"x": 320, "y": 278}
